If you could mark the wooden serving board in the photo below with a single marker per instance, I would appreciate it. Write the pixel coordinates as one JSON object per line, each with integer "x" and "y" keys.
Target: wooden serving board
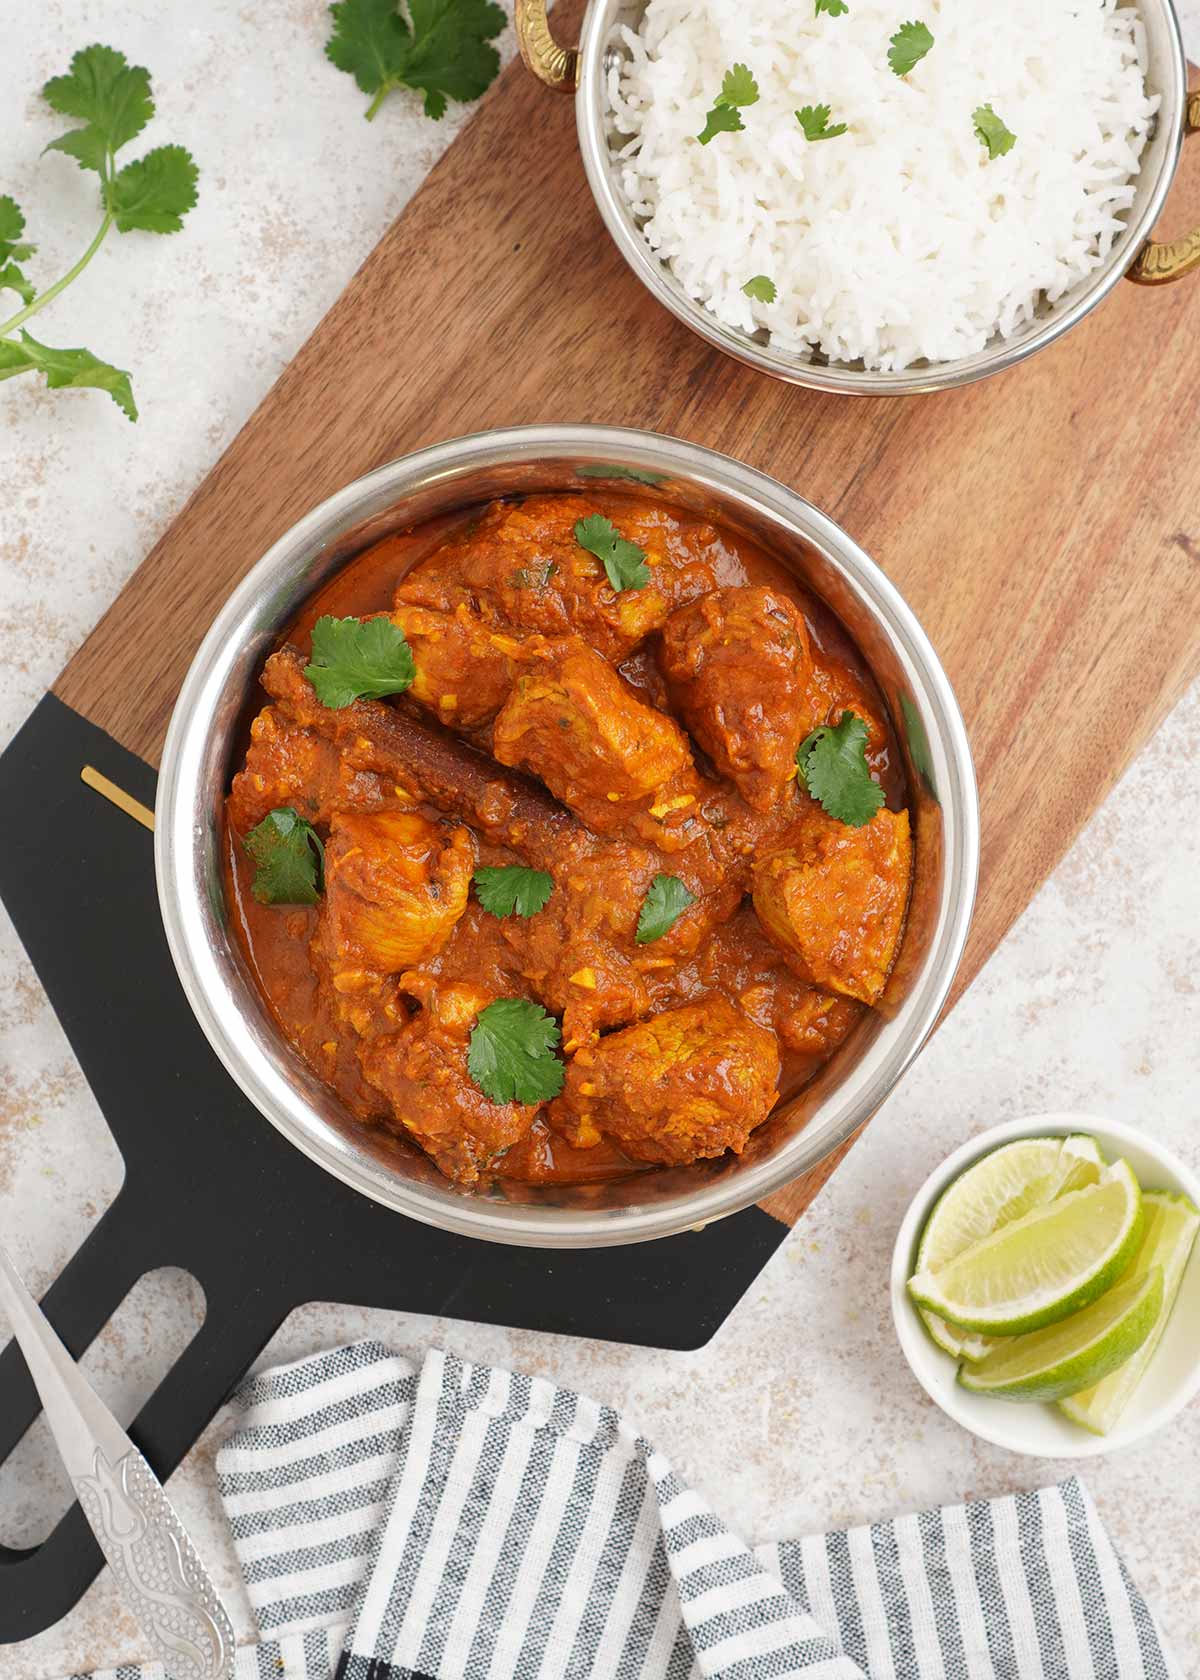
{"x": 1044, "y": 524}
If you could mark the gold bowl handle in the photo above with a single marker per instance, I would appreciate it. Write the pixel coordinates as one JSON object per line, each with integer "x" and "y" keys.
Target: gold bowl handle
{"x": 1158, "y": 263}
{"x": 557, "y": 66}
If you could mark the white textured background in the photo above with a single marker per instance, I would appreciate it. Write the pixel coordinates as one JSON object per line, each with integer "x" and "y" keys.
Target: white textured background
{"x": 800, "y": 1414}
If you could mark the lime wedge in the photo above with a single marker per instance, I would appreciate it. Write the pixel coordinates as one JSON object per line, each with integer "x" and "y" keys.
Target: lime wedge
{"x": 1043, "y": 1266}
{"x": 1082, "y": 1163}
{"x": 1049, "y": 1364}
{"x": 1171, "y": 1226}
{"x": 1008, "y": 1182}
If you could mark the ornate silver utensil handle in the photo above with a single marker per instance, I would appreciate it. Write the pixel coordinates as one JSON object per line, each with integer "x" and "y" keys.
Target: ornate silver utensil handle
{"x": 157, "y": 1568}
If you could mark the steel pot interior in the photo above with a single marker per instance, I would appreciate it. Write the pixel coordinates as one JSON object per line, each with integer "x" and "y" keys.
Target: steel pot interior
{"x": 207, "y": 731}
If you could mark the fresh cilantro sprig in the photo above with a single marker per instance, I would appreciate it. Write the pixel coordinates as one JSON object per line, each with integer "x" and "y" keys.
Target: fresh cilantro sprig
{"x": 832, "y": 762}
{"x": 738, "y": 89}
{"x": 909, "y": 45}
{"x": 662, "y": 907}
{"x": 110, "y": 99}
{"x": 624, "y": 561}
{"x": 513, "y": 890}
{"x": 443, "y": 54}
{"x": 814, "y": 120}
{"x": 991, "y": 132}
{"x": 358, "y": 659}
{"x": 834, "y": 8}
{"x": 760, "y": 288}
{"x": 289, "y": 859}
{"x": 511, "y": 1052}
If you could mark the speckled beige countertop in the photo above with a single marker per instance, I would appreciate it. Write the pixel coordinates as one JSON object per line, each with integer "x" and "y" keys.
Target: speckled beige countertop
{"x": 800, "y": 1413}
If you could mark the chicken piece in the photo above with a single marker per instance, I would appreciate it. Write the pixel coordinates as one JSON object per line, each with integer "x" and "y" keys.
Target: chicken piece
{"x": 521, "y": 566}
{"x": 688, "y": 1083}
{"x": 507, "y": 810}
{"x": 809, "y": 1022}
{"x": 422, "y": 1071}
{"x": 738, "y": 960}
{"x": 395, "y": 885}
{"x": 287, "y": 764}
{"x": 833, "y": 899}
{"x": 834, "y": 689}
{"x": 579, "y": 955}
{"x": 737, "y": 664}
{"x": 510, "y": 810}
{"x": 620, "y": 765}
{"x": 463, "y": 667}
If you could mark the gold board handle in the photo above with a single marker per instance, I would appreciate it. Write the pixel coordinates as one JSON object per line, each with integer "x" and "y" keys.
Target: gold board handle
{"x": 557, "y": 66}
{"x": 1160, "y": 262}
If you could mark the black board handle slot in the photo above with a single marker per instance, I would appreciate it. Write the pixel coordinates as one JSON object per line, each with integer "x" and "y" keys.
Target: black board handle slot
{"x": 79, "y": 1303}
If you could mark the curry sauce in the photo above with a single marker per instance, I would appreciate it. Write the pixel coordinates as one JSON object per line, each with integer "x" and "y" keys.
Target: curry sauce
{"x": 608, "y": 737}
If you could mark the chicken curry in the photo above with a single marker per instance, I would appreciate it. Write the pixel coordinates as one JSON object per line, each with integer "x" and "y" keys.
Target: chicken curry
{"x": 533, "y": 852}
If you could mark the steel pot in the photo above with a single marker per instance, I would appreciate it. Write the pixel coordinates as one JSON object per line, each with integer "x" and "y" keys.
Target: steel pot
{"x": 1134, "y": 254}
{"x": 206, "y": 730}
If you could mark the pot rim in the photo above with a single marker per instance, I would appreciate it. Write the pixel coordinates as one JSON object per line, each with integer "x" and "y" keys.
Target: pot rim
{"x": 183, "y": 824}
{"x": 994, "y": 358}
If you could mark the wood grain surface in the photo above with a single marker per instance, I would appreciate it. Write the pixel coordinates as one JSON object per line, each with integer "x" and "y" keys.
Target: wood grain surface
{"x": 1044, "y": 524}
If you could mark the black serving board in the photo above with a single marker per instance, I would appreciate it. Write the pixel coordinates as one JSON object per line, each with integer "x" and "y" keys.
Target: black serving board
{"x": 211, "y": 1187}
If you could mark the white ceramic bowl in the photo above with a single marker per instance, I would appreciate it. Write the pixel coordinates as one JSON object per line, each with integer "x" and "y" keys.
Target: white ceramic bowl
{"x": 1171, "y": 1379}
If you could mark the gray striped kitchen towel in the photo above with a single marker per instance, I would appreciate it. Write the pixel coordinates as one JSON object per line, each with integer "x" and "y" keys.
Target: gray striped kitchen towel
{"x": 457, "y": 1522}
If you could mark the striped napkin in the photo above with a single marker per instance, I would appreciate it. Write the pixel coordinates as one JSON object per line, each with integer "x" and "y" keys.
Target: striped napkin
{"x": 458, "y": 1522}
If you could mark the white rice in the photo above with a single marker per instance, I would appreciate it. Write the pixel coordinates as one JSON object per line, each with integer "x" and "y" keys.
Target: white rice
{"x": 899, "y": 240}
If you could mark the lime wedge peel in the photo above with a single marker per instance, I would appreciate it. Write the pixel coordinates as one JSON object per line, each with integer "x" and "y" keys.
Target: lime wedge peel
{"x": 1172, "y": 1222}
{"x": 1045, "y": 1265}
{"x": 1082, "y": 1350}
{"x": 995, "y": 1190}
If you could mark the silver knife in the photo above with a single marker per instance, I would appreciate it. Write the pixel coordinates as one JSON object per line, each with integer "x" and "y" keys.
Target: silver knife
{"x": 158, "y": 1570}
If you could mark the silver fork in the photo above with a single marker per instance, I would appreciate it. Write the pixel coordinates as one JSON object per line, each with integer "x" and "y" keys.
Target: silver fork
{"x": 158, "y": 1569}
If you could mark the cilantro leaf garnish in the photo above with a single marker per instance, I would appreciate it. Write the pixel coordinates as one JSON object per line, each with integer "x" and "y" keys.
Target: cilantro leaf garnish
{"x": 358, "y": 659}
{"x": 761, "y": 288}
{"x": 918, "y": 744}
{"x": 662, "y": 907}
{"x": 513, "y": 890}
{"x": 289, "y": 859}
{"x": 992, "y": 132}
{"x": 601, "y": 469}
{"x": 909, "y": 45}
{"x": 814, "y": 120}
{"x": 443, "y": 55}
{"x": 110, "y": 99}
{"x": 511, "y": 1054}
{"x": 722, "y": 119}
{"x": 835, "y": 8}
{"x": 624, "y": 561}
{"x": 832, "y": 762}
{"x": 738, "y": 88}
